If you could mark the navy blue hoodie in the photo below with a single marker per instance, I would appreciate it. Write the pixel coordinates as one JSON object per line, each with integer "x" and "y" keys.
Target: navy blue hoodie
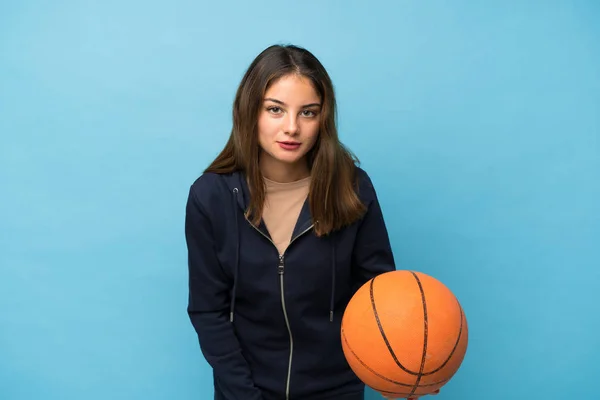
{"x": 269, "y": 324}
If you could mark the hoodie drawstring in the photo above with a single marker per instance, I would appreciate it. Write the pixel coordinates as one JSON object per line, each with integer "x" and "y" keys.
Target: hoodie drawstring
{"x": 331, "y": 304}
{"x": 237, "y": 256}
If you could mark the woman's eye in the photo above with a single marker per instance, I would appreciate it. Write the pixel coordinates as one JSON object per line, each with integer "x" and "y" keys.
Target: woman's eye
{"x": 274, "y": 110}
{"x": 308, "y": 113}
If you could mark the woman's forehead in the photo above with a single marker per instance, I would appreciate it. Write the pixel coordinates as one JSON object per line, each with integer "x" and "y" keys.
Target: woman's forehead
{"x": 293, "y": 90}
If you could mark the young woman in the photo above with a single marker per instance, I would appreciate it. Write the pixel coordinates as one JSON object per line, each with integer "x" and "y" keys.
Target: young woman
{"x": 281, "y": 229}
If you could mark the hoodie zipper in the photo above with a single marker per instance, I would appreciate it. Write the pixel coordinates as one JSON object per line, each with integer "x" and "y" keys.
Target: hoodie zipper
{"x": 280, "y": 271}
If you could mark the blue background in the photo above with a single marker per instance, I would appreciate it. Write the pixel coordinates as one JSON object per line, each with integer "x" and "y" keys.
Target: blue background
{"x": 479, "y": 123}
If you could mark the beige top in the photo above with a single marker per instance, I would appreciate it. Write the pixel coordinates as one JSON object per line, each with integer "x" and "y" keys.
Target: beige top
{"x": 283, "y": 204}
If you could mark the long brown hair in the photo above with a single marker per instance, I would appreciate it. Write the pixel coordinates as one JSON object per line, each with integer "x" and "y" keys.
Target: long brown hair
{"x": 333, "y": 198}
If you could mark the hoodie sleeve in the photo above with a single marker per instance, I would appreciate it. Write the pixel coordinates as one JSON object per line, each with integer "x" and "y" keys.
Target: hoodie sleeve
{"x": 208, "y": 304}
{"x": 372, "y": 254}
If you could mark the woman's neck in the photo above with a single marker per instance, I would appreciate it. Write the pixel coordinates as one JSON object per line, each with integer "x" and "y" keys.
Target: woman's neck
{"x": 283, "y": 172}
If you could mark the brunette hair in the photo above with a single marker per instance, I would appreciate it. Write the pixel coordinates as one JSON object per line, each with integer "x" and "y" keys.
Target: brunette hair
{"x": 333, "y": 198}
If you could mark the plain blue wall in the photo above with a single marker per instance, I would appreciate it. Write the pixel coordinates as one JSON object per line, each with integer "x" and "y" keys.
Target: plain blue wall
{"x": 478, "y": 121}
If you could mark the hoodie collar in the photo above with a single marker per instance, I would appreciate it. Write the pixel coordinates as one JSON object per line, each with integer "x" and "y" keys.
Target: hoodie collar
{"x": 238, "y": 180}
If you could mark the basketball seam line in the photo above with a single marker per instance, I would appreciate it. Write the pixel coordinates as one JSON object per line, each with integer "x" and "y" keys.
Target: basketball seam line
{"x": 425, "y": 334}
{"x": 460, "y": 329}
{"x": 381, "y": 376}
{"x": 381, "y": 331}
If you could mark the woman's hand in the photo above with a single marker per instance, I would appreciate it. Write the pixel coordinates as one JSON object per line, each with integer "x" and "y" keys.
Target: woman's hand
{"x": 410, "y": 398}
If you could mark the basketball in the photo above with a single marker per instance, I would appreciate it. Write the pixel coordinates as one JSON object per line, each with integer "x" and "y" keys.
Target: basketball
{"x": 404, "y": 334}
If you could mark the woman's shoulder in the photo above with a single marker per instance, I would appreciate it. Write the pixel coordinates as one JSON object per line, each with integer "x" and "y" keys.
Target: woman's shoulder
{"x": 362, "y": 176}
{"x": 210, "y": 189}
{"x": 206, "y": 181}
{"x": 366, "y": 189}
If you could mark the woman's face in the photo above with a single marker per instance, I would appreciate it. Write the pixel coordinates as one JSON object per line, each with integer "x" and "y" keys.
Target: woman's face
{"x": 288, "y": 123}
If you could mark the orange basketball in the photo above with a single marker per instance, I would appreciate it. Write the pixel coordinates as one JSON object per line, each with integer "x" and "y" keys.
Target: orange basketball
{"x": 404, "y": 334}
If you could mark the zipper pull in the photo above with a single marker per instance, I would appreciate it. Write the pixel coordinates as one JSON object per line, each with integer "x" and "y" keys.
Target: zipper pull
{"x": 280, "y": 267}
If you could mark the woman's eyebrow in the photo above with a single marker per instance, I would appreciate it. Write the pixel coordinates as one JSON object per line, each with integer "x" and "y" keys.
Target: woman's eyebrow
{"x": 283, "y": 104}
